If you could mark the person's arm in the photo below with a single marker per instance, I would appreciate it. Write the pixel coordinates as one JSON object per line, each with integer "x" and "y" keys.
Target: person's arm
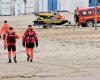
{"x": 36, "y": 39}
{"x": 74, "y": 17}
{"x": 1, "y": 30}
{"x": 17, "y": 37}
{"x": 5, "y": 41}
{"x": 23, "y": 40}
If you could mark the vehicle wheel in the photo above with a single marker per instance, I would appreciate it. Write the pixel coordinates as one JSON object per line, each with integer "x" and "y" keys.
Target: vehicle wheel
{"x": 49, "y": 26}
{"x": 83, "y": 25}
{"x": 45, "y": 26}
{"x": 90, "y": 23}
{"x": 69, "y": 22}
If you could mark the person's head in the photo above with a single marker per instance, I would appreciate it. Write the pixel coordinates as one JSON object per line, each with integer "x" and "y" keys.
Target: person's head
{"x": 10, "y": 28}
{"x": 11, "y": 31}
{"x": 77, "y": 8}
{"x": 30, "y": 27}
{"x": 5, "y": 21}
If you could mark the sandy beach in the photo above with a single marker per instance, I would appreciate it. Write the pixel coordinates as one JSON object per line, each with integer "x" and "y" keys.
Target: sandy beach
{"x": 63, "y": 54}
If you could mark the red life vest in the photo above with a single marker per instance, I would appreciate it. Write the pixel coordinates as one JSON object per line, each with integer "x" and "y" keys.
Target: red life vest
{"x": 30, "y": 37}
{"x": 11, "y": 38}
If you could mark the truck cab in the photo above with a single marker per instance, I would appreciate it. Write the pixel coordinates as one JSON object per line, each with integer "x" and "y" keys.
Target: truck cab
{"x": 87, "y": 16}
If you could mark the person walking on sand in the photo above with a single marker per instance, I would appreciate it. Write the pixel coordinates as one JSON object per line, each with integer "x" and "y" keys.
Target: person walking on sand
{"x": 4, "y": 30}
{"x": 29, "y": 41}
{"x": 10, "y": 41}
{"x": 76, "y": 17}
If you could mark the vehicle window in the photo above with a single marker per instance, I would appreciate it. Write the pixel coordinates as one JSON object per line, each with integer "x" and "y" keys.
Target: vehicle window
{"x": 89, "y": 12}
{"x": 84, "y": 13}
{"x": 98, "y": 11}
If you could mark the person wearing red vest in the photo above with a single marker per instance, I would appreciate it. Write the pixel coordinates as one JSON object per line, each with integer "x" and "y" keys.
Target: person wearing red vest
{"x": 10, "y": 41}
{"x": 30, "y": 41}
{"x": 4, "y": 30}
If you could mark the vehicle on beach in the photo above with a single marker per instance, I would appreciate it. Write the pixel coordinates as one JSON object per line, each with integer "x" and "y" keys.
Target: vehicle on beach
{"x": 47, "y": 20}
{"x": 87, "y": 16}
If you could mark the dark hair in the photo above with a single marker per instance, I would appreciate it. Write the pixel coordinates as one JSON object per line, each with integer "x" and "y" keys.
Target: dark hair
{"x": 5, "y": 21}
{"x": 29, "y": 25}
{"x": 10, "y": 28}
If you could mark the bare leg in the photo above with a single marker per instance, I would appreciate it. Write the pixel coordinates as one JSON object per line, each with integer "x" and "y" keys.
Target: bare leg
{"x": 28, "y": 54}
{"x": 31, "y": 54}
{"x": 9, "y": 56}
{"x": 14, "y": 56}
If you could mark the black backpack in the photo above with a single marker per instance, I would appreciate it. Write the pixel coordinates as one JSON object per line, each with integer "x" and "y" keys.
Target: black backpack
{"x": 11, "y": 37}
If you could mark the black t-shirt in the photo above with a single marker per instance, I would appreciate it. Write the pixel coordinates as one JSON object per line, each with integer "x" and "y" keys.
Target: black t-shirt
{"x": 76, "y": 17}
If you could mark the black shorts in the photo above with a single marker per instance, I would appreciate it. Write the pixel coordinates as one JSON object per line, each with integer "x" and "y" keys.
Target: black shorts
{"x": 11, "y": 48}
{"x": 4, "y": 37}
{"x": 29, "y": 45}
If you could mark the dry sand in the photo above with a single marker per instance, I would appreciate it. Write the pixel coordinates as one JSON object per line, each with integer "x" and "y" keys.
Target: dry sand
{"x": 63, "y": 54}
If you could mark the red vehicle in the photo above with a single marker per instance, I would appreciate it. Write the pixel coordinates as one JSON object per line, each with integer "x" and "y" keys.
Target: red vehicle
{"x": 87, "y": 16}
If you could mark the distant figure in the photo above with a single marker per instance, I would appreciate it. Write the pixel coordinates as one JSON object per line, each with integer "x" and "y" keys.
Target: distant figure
{"x": 10, "y": 41}
{"x": 4, "y": 30}
{"x": 76, "y": 17}
{"x": 29, "y": 41}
